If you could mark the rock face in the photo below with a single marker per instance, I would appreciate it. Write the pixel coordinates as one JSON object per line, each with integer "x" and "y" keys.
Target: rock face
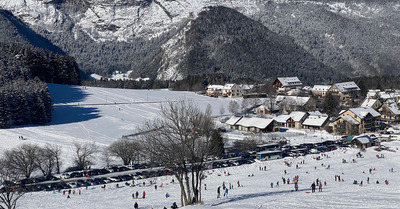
{"x": 170, "y": 39}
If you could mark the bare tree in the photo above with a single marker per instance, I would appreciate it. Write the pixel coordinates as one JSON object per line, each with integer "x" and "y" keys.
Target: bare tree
{"x": 84, "y": 154}
{"x": 22, "y": 159}
{"x": 180, "y": 139}
{"x": 125, "y": 149}
{"x": 49, "y": 159}
{"x": 233, "y": 107}
{"x": 9, "y": 192}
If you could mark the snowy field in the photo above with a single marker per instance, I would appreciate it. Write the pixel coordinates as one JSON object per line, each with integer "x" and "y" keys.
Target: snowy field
{"x": 256, "y": 191}
{"x": 104, "y": 115}
{"x": 101, "y": 115}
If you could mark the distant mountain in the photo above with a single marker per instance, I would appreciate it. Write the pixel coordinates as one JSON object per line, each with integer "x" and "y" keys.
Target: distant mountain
{"x": 43, "y": 59}
{"x": 222, "y": 40}
{"x": 326, "y": 39}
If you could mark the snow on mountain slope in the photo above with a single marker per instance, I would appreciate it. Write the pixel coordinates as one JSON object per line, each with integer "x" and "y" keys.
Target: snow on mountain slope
{"x": 256, "y": 191}
{"x": 89, "y": 114}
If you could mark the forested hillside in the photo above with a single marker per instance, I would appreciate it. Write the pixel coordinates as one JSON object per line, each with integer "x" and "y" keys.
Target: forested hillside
{"x": 27, "y": 60}
{"x": 23, "y": 100}
{"x": 222, "y": 40}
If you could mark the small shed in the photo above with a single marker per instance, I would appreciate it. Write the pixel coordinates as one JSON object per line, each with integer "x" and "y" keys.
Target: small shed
{"x": 362, "y": 142}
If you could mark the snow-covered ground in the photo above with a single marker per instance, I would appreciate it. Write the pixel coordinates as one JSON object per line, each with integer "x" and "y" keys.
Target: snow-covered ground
{"x": 102, "y": 115}
{"x": 256, "y": 191}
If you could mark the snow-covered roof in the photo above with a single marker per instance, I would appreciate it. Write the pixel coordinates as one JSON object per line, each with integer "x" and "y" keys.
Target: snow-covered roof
{"x": 297, "y": 115}
{"x": 321, "y": 88}
{"x": 290, "y": 81}
{"x": 368, "y": 102}
{"x": 214, "y": 87}
{"x": 313, "y": 120}
{"x": 246, "y": 86}
{"x": 255, "y": 122}
{"x": 373, "y": 92}
{"x": 292, "y": 100}
{"x": 363, "y": 139}
{"x": 228, "y": 86}
{"x": 307, "y": 88}
{"x": 393, "y": 108}
{"x": 347, "y": 86}
{"x": 233, "y": 120}
{"x": 317, "y": 113}
{"x": 350, "y": 120}
{"x": 281, "y": 118}
{"x": 361, "y": 112}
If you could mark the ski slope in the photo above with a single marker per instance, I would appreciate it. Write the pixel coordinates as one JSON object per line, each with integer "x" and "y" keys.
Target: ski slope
{"x": 256, "y": 192}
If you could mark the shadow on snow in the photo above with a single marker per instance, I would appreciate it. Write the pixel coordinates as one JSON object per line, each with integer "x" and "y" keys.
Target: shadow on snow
{"x": 63, "y": 114}
{"x": 255, "y": 195}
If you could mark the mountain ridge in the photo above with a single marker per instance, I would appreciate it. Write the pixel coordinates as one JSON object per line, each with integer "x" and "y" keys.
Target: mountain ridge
{"x": 352, "y": 38}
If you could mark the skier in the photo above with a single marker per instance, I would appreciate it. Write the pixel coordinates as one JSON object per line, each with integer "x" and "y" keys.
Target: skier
{"x": 144, "y": 194}
{"x": 155, "y": 186}
{"x": 136, "y": 206}
{"x": 137, "y": 194}
{"x": 272, "y": 185}
{"x": 174, "y": 206}
{"x": 313, "y": 187}
{"x": 320, "y": 188}
{"x": 219, "y": 192}
{"x": 296, "y": 186}
{"x": 226, "y": 192}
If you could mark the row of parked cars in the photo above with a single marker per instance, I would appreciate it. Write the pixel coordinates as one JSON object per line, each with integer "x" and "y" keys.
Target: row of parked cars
{"x": 88, "y": 178}
{"x": 310, "y": 148}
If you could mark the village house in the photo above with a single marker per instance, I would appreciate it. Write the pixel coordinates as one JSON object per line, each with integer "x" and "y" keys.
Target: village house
{"x": 284, "y": 84}
{"x": 373, "y": 103}
{"x": 346, "y": 125}
{"x": 232, "y": 90}
{"x": 214, "y": 90}
{"x": 266, "y": 109}
{"x": 231, "y": 123}
{"x": 295, "y": 103}
{"x": 320, "y": 90}
{"x": 345, "y": 91}
{"x": 355, "y": 121}
{"x": 390, "y": 113}
{"x": 316, "y": 121}
{"x": 389, "y": 94}
{"x": 255, "y": 125}
{"x": 373, "y": 93}
{"x": 246, "y": 89}
{"x": 292, "y": 120}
